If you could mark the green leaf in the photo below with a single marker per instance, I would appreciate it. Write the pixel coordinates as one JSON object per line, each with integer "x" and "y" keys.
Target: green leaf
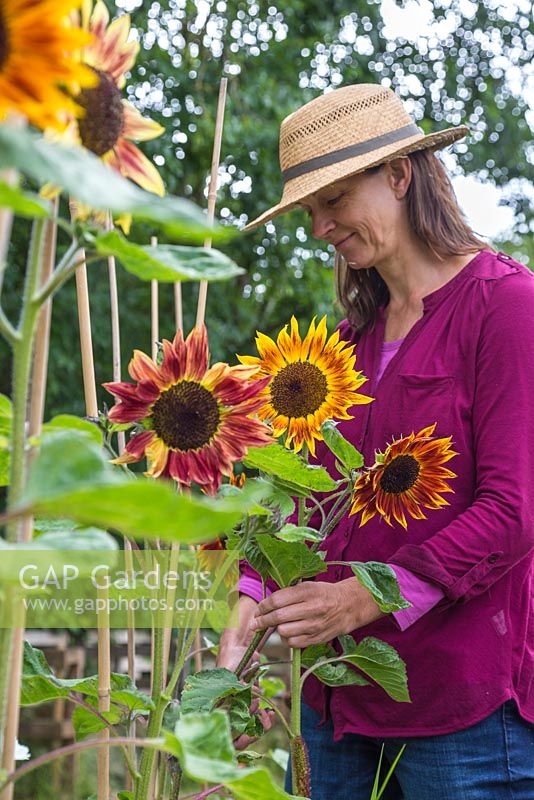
{"x": 39, "y": 684}
{"x": 24, "y": 204}
{"x": 333, "y": 674}
{"x": 290, "y": 561}
{"x": 295, "y": 533}
{"x": 380, "y": 580}
{"x": 204, "y": 689}
{"x": 288, "y": 466}
{"x": 340, "y": 447}
{"x": 5, "y": 459}
{"x": 69, "y": 422}
{"x": 274, "y": 497}
{"x": 6, "y": 416}
{"x": 241, "y": 720}
{"x": 379, "y": 661}
{"x": 86, "y": 724}
{"x": 203, "y": 745}
{"x": 280, "y": 757}
{"x": 85, "y": 177}
{"x": 271, "y": 686}
{"x": 167, "y": 263}
{"x": 74, "y": 539}
{"x": 125, "y": 796}
{"x": 71, "y": 478}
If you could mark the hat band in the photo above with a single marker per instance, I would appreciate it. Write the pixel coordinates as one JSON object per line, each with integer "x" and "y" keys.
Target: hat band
{"x": 349, "y": 152}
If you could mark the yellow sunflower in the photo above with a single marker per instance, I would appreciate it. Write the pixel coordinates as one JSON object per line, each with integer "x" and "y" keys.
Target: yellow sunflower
{"x": 195, "y": 420}
{"x": 111, "y": 124}
{"x": 39, "y": 60}
{"x": 313, "y": 379}
{"x": 407, "y": 477}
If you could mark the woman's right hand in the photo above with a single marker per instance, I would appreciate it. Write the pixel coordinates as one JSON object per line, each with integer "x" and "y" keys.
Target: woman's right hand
{"x": 232, "y": 647}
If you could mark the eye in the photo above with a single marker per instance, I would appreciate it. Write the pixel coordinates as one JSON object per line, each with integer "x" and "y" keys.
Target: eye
{"x": 334, "y": 200}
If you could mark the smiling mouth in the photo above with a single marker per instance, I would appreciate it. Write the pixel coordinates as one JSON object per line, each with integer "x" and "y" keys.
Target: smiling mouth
{"x": 338, "y": 244}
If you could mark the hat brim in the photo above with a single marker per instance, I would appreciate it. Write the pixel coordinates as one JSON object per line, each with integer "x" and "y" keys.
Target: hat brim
{"x": 299, "y": 188}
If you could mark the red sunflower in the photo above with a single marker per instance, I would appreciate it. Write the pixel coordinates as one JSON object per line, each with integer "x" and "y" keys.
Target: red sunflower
{"x": 196, "y": 419}
{"x": 409, "y": 476}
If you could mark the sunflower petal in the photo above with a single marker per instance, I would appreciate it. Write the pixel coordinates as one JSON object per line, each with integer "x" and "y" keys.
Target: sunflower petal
{"x": 137, "y": 127}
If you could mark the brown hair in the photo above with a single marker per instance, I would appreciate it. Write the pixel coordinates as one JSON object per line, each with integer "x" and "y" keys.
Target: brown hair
{"x": 437, "y": 220}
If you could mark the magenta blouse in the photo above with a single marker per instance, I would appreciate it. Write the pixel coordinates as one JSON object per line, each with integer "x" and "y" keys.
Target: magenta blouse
{"x": 467, "y": 364}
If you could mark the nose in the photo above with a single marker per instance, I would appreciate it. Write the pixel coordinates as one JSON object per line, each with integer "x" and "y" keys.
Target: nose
{"x": 322, "y": 223}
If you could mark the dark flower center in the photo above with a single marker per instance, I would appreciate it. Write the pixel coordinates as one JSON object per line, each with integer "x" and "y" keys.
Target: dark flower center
{"x": 103, "y": 121}
{"x": 399, "y": 475}
{"x": 186, "y": 416}
{"x": 298, "y": 389}
{"x": 4, "y": 40}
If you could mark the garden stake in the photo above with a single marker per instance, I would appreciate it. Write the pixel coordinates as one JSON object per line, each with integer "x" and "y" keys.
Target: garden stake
{"x": 178, "y": 314}
{"x": 115, "y": 325}
{"x": 91, "y": 409}
{"x": 128, "y": 560}
{"x": 212, "y": 191}
{"x": 154, "y": 316}
{"x": 36, "y": 410}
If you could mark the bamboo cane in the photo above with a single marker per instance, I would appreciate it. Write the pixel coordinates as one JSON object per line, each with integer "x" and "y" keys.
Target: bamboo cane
{"x": 37, "y": 398}
{"x": 154, "y": 310}
{"x": 212, "y": 191}
{"x": 91, "y": 407}
{"x": 128, "y": 558}
{"x": 203, "y": 288}
{"x": 178, "y": 313}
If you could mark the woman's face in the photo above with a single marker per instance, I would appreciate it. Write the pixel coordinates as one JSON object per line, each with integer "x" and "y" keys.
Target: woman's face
{"x": 363, "y": 215}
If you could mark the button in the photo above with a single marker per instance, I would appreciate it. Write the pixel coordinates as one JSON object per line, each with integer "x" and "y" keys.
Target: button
{"x": 493, "y": 558}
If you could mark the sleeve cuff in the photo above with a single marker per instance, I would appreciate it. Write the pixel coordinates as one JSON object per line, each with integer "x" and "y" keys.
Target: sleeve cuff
{"x": 420, "y": 593}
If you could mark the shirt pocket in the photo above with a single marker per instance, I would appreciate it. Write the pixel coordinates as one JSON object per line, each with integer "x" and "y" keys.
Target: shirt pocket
{"x": 419, "y": 401}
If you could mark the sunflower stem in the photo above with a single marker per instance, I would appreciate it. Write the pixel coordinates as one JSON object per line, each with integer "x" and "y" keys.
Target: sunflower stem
{"x": 22, "y": 349}
{"x": 155, "y": 719}
{"x": 299, "y": 771}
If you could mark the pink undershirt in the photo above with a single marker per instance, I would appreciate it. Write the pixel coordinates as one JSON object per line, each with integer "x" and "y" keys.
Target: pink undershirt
{"x": 422, "y": 595}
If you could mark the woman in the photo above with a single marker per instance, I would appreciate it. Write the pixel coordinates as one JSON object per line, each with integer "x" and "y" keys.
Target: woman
{"x": 444, "y": 330}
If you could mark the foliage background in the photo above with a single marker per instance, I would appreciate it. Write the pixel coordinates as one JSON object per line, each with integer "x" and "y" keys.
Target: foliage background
{"x": 473, "y": 66}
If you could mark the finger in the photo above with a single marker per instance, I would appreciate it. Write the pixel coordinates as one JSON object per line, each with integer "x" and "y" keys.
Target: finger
{"x": 243, "y": 741}
{"x": 299, "y": 628}
{"x": 267, "y": 718}
{"x": 284, "y": 597}
{"x": 289, "y": 613}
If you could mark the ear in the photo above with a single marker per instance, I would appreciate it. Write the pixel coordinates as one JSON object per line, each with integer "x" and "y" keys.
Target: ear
{"x": 399, "y": 172}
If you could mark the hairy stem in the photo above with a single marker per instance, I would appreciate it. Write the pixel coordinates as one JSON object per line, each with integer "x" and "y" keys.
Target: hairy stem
{"x": 22, "y": 364}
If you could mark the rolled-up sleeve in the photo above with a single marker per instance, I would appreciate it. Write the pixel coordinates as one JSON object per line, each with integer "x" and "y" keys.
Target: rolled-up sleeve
{"x": 497, "y": 530}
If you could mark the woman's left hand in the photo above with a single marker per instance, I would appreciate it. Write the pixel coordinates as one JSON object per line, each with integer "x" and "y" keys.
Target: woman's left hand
{"x": 314, "y": 612}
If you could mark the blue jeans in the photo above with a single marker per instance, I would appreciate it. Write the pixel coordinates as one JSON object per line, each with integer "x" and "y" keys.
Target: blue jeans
{"x": 492, "y": 760}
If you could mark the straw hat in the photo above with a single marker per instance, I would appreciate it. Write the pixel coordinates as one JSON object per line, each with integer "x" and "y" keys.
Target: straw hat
{"x": 344, "y": 132}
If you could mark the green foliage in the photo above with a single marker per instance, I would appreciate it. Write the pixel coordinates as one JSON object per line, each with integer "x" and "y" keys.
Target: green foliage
{"x": 167, "y": 263}
{"x": 39, "y": 684}
{"x": 379, "y": 661}
{"x": 332, "y": 674}
{"x": 380, "y": 580}
{"x": 204, "y": 689}
{"x": 295, "y": 533}
{"x": 203, "y": 745}
{"x": 85, "y": 177}
{"x": 289, "y": 467}
{"x": 71, "y": 478}
{"x": 375, "y": 658}
{"x": 25, "y": 204}
{"x": 289, "y": 561}
{"x": 347, "y": 454}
